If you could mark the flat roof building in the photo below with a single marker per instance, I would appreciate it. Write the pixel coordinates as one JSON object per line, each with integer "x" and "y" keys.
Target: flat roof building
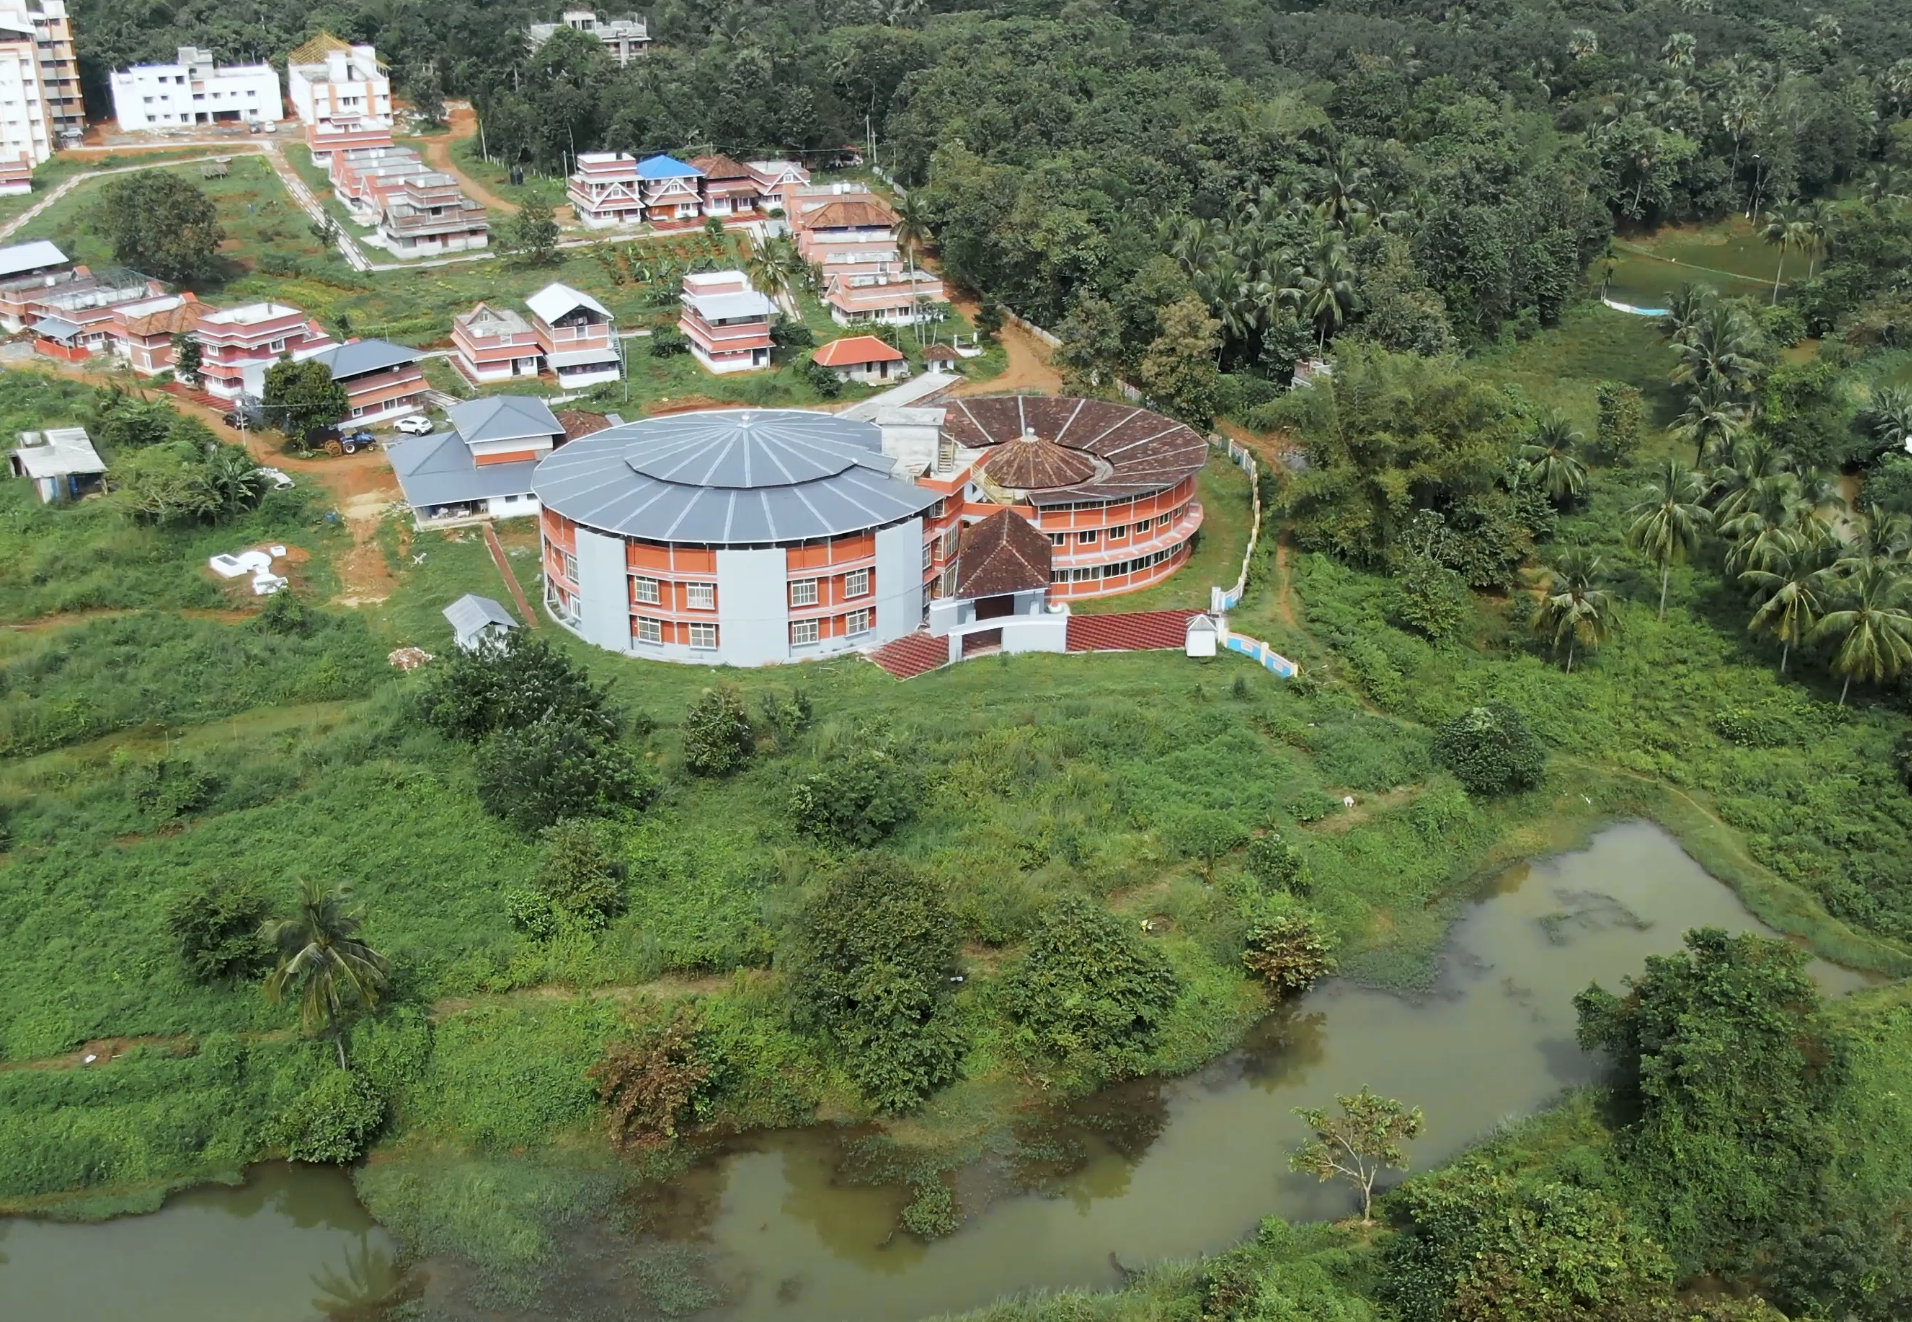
{"x": 624, "y": 38}
{"x": 194, "y": 90}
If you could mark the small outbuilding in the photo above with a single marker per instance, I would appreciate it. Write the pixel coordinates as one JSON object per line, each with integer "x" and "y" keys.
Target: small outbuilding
{"x": 1203, "y": 635}
{"x": 61, "y": 462}
{"x": 474, "y": 618}
{"x": 862, "y": 358}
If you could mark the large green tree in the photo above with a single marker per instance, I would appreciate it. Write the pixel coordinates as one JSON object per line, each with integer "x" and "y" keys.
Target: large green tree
{"x": 871, "y": 961}
{"x": 160, "y": 224}
{"x": 302, "y": 396}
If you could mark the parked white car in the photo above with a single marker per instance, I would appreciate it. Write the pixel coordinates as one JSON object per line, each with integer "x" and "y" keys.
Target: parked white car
{"x": 415, "y": 425}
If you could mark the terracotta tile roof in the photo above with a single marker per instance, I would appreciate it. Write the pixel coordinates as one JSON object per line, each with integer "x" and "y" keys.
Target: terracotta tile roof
{"x": 1004, "y": 553}
{"x": 1145, "y": 451}
{"x": 941, "y": 353}
{"x": 721, "y": 167}
{"x": 1030, "y": 463}
{"x": 854, "y": 349}
{"x": 577, "y": 422}
{"x": 170, "y": 322}
{"x": 845, "y": 213}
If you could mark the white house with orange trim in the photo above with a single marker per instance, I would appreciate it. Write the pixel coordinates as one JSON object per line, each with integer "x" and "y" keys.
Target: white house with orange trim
{"x": 237, "y": 345}
{"x": 604, "y": 190}
{"x": 727, "y": 321}
{"x": 493, "y": 344}
{"x": 862, "y": 358}
{"x": 331, "y": 80}
{"x": 578, "y": 335}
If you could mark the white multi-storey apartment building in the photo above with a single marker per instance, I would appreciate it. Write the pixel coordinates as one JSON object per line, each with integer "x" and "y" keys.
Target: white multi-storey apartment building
{"x": 330, "y": 80}
{"x": 195, "y": 91}
{"x": 624, "y": 38}
{"x": 59, "y": 69}
{"x": 25, "y": 140}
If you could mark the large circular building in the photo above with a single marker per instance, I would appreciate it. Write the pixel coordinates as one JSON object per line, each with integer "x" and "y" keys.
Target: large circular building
{"x": 751, "y": 536}
{"x": 1112, "y": 485}
{"x": 737, "y": 536}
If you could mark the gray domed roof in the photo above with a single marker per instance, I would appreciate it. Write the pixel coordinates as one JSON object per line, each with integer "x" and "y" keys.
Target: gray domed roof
{"x": 729, "y": 477}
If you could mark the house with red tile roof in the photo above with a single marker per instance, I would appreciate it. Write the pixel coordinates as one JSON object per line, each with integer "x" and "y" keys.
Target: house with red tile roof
{"x": 862, "y": 358}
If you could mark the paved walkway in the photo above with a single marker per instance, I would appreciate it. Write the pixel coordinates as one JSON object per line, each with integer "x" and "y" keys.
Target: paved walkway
{"x": 913, "y": 391}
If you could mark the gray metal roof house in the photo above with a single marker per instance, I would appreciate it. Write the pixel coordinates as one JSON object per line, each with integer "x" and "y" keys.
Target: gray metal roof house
{"x": 474, "y": 618}
{"x": 481, "y": 467}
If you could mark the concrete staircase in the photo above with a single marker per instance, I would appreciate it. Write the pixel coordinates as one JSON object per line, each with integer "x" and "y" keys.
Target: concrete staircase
{"x": 1140, "y": 631}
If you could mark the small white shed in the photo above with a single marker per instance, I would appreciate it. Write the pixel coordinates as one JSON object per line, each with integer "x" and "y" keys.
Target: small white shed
{"x": 61, "y": 461}
{"x": 475, "y": 618}
{"x": 1203, "y": 635}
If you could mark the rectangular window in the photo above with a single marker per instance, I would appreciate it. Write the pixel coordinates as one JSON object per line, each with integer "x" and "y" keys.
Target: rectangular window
{"x": 856, "y": 622}
{"x": 646, "y": 590}
{"x": 929, "y": 553}
{"x": 802, "y": 632}
{"x": 649, "y": 630}
{"x": 949, "y": 581}
{"x": 703, "y": 636}
{"x": 1058, "y": 576}
{"x": 570, "y": 565}
{"x": 701, "y": 596}
{"x": 1119, "y": 533}
{"x": 1086, "y": 537}
{"x": 856, "y": 583}
{"x": 803, "y": 592}
{"x": 1142, "y": 526}
{"x": 1058, "y": 539}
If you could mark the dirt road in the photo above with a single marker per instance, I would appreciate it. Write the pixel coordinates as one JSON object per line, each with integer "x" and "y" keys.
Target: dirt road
{"x": 1028, "y": 370}
{"x": 463, "y": 122}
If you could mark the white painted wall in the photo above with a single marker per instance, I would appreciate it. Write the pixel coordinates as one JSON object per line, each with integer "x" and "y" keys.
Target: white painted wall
{"x": 166, "y": 95}
{"x": 899, "y": 581}
{"x": 604, "y": 600}
{"x": 752, "y": 610}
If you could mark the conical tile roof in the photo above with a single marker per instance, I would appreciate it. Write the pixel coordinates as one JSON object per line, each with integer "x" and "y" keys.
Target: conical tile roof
{"x": 1030, "y": 463}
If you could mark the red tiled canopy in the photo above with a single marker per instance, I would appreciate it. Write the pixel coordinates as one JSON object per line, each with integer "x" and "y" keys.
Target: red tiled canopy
{"x": 1004, "y": 553}
{"x": 1030, "y": 463}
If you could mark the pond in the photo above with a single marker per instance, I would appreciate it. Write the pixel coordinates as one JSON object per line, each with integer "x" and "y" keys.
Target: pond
{"x": 1153, "y": 1169}
{"x": 291, "y": 1243}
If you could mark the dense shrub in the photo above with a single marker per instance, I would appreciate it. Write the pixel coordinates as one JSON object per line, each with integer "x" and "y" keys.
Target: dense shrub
{"x": 215, "y": 926}
{"x": 1277, "y": 865}
{"x": 579, "y": 876}
{"x": 1089, "y": 994}
{"x": 855, "y": 798}
{"x": 717, "y": 735}
{"x": 1205, "y": 836}
{"x": 870, "y": 961}
{"x": 512, "y": 682}
{"x": 1289, "y": 953}
{"x": 332, "y": 1120}
{"x": 535, "y": 776}
{"x": 172, "y": 788}
{"x": 651, "y": 1083}
{"x": 1490, "y": 750}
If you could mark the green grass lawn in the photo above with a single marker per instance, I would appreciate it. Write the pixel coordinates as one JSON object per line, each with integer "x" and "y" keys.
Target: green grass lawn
{"x": 1562, "y": 367}
{"x": 496, "y": 176}
{"x": 1223, "y": 490}
{"x": 1729, "y": 257}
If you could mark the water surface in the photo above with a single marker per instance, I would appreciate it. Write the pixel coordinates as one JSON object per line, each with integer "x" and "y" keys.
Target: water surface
{"x": 1150, "y": 1170}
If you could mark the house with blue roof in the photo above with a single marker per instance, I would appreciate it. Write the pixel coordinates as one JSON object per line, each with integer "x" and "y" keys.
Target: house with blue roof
{"x": 672, "y": 190}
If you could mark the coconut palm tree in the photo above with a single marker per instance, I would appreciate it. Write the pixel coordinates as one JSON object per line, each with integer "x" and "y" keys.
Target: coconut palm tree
{"x": 1550, "y": 462}
{"x": 1327, "y": 285}
{"x": 1742, "y": 117}
{"x": 1873, "y": 635}
{"x": 1766, "y": 526}
{"x": 1783, "y": 230}
{"x": 912, "y": 221}
{"x": 1582, "y": 43}
{"x": 1890, "y": 415}
{"x": 1898, "y": 84}
{"x": 1713, "y": 420}
{"x": 1576, "y": 609}
{"x": 1736, "y": 484}
{"x": 324, "y": 962}
{"x": 1720, "y": 344}
{"x": 1667, "y": 524}
{"x": 1684, "y": 307}
{"x": 1791, "y": 590}
{"x": 1882, "y": 537}
{"x": 1678, "y": 50}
